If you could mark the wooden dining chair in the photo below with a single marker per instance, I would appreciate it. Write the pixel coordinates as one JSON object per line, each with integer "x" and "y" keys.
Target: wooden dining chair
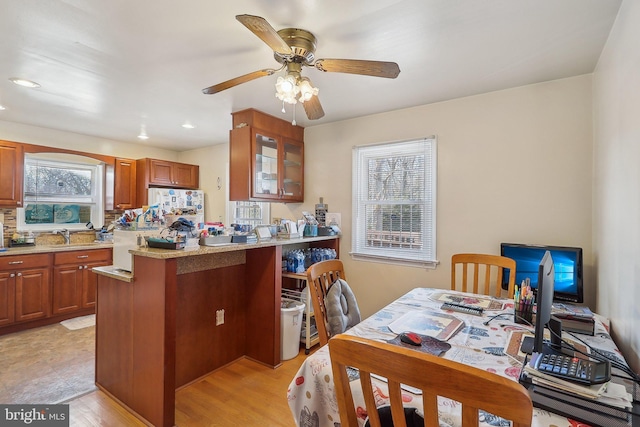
{"x": 320, "y": 276}
{"x": 493, "y": 267}
{"x": 475, "y": 389}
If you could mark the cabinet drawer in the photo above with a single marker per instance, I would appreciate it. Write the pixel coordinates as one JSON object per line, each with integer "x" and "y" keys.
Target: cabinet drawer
{"x": 24, "y": 261}
{"x": 75, "y": 257}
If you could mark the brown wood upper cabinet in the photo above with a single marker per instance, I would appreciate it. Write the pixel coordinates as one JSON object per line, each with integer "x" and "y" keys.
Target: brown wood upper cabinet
{"x": 11, "y": 174}
{"x": 163, "y": 173}
{"x": 266, "y": 157}
{"x": 124, "y": 196}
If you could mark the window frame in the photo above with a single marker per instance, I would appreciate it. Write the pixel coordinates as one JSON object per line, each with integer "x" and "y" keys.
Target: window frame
{"x": 95, "y": 200}
{"x": 426, "y": 255}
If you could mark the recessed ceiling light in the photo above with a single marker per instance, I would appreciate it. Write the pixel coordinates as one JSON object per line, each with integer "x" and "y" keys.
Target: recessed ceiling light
{"x": 188, "y": 126}
{"x": 24, "y": 82}
{"x": 2, "y": 107}
{"x": 143, "y": 132}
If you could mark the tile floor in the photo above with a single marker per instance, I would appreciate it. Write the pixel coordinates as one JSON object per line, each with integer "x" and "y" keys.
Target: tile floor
{"x": 51, "y": 364}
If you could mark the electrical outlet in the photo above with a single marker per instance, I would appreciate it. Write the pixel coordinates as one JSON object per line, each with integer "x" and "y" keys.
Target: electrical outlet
{"x": 219, "y": 317}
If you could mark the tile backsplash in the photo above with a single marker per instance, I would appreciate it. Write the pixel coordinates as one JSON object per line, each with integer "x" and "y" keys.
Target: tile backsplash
{"x": 43, "y": 238}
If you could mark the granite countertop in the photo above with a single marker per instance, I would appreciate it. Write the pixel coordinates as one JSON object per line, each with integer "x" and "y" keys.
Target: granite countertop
{"x": 187, "y": 252}
{"x": 228, "y": 247}
{"x": 114, "y": 273}
{"x": 40, "y": 249}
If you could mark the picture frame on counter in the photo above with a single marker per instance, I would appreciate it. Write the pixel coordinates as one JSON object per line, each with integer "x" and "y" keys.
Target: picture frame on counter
{"x": 263, "y": 232}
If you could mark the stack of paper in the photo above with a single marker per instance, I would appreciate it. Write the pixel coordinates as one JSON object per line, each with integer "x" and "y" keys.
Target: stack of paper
{"x": 609, "y": 393}
{"x": 542, "y": 378}
{"x": 590, "y": 392}
{"x": 616, "y": 395}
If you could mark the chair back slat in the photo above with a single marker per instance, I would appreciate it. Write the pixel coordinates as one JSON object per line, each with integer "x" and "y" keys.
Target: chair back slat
{"x": 446, "y": 378}
{"x": 486, "y": 273}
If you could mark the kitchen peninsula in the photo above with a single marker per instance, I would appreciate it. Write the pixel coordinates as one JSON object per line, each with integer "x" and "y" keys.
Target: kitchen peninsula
{"x": 185, "y": 313}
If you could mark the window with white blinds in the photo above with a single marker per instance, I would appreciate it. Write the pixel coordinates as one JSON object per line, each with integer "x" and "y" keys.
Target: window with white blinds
{"x": 394, "y": 190}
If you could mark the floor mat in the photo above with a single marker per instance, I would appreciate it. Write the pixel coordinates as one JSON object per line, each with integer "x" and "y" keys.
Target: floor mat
{"x": 79, "y": 322}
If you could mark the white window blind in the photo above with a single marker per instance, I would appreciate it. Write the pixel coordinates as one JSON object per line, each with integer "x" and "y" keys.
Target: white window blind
{"x": 394, "y": 190}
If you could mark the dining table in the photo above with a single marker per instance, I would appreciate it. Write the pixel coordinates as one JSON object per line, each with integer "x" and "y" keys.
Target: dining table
{"x": 489, "y": 341}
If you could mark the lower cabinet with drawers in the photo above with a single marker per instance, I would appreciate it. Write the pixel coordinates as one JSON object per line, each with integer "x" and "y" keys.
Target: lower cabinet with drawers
{"x": 45, "y": 288}
{"x": 74, "y": 284}
{"x": 24, "y": 288}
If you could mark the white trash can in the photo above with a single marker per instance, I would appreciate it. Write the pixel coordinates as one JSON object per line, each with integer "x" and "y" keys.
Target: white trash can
{"x": 290, "y": 328}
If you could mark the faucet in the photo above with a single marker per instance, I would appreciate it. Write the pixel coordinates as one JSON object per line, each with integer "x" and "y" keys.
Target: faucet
{"x": 64, "y": 233}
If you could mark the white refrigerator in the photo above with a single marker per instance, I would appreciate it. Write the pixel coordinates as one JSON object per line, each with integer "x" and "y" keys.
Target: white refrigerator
{"x": 179, "y": 203}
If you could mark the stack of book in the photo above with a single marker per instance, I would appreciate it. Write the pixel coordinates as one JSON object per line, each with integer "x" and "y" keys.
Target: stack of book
{"x": 575, "y": 318}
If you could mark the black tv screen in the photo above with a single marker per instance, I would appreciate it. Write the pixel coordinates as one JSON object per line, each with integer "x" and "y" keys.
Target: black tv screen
{"x": 567, "y": 262}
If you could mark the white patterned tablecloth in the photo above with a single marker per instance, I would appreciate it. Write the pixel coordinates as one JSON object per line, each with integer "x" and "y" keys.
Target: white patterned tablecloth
{"x": 311, "y": 394}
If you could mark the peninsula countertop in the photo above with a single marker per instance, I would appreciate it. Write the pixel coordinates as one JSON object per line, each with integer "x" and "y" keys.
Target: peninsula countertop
{"x": 225, "y": 247}
{"x": 198, "y": 251}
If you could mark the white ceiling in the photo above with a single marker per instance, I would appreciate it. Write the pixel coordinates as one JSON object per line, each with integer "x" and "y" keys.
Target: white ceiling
{"x": 108, "y": 67}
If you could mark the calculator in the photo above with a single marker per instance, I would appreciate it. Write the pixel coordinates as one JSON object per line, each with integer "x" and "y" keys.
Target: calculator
{"x": 573, "y": 368}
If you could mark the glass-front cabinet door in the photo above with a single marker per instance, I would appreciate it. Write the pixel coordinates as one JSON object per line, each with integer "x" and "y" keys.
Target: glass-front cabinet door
{"x": 292, "y": 171}
{"x": 278, "y": 171}
{"x": 265, "y": 179}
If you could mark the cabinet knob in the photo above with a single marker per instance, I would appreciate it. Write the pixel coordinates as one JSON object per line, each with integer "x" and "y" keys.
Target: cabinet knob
{"x": 79, "y": 267}
{"x": 18, "y": 203}
{"x": 19, "y": 274}
{"x": 12, "y": 275}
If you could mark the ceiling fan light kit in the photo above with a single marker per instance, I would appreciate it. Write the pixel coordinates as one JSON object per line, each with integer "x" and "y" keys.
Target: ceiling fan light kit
{"x": 307, "y": 90}
{"x": 293, "y": 48}
{"x": 287, "y": 89}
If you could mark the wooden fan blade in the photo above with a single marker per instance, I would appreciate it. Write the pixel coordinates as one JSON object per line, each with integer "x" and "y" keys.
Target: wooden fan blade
{"x": 313, "y": 109}
{"x": 356, "y": 66}
{"x": 236, "y": 81}
{"x": 261, "y": 28}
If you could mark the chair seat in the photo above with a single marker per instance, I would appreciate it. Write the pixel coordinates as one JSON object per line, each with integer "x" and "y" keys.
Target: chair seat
{"x": 320, "y": 278}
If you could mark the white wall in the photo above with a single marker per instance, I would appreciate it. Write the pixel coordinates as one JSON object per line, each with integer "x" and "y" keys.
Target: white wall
{"x": 213, "y": 162}
{"x": 513, "y": 166}
{"x": 10, "y": 131}
{"x": 616, "y": 204}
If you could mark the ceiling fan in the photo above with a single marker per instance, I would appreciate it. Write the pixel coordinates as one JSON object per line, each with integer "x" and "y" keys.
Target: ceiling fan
{"x": 295, "y": 48}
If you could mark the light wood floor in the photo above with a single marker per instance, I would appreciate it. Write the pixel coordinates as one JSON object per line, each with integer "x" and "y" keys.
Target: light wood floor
{"x": 244, "y": 393}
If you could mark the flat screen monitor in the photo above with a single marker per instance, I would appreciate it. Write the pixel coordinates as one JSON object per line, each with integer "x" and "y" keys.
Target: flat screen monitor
{"x": 567, "y": 264}
{"x": 544, "y": 299}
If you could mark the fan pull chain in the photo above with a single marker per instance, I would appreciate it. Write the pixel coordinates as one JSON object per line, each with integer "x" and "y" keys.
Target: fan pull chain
{"x": 294, "y": 115}
{"x": 283, "y": 110}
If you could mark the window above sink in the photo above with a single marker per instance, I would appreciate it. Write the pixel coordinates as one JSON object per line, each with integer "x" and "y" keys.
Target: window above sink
{"x": 61, "y": 191}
